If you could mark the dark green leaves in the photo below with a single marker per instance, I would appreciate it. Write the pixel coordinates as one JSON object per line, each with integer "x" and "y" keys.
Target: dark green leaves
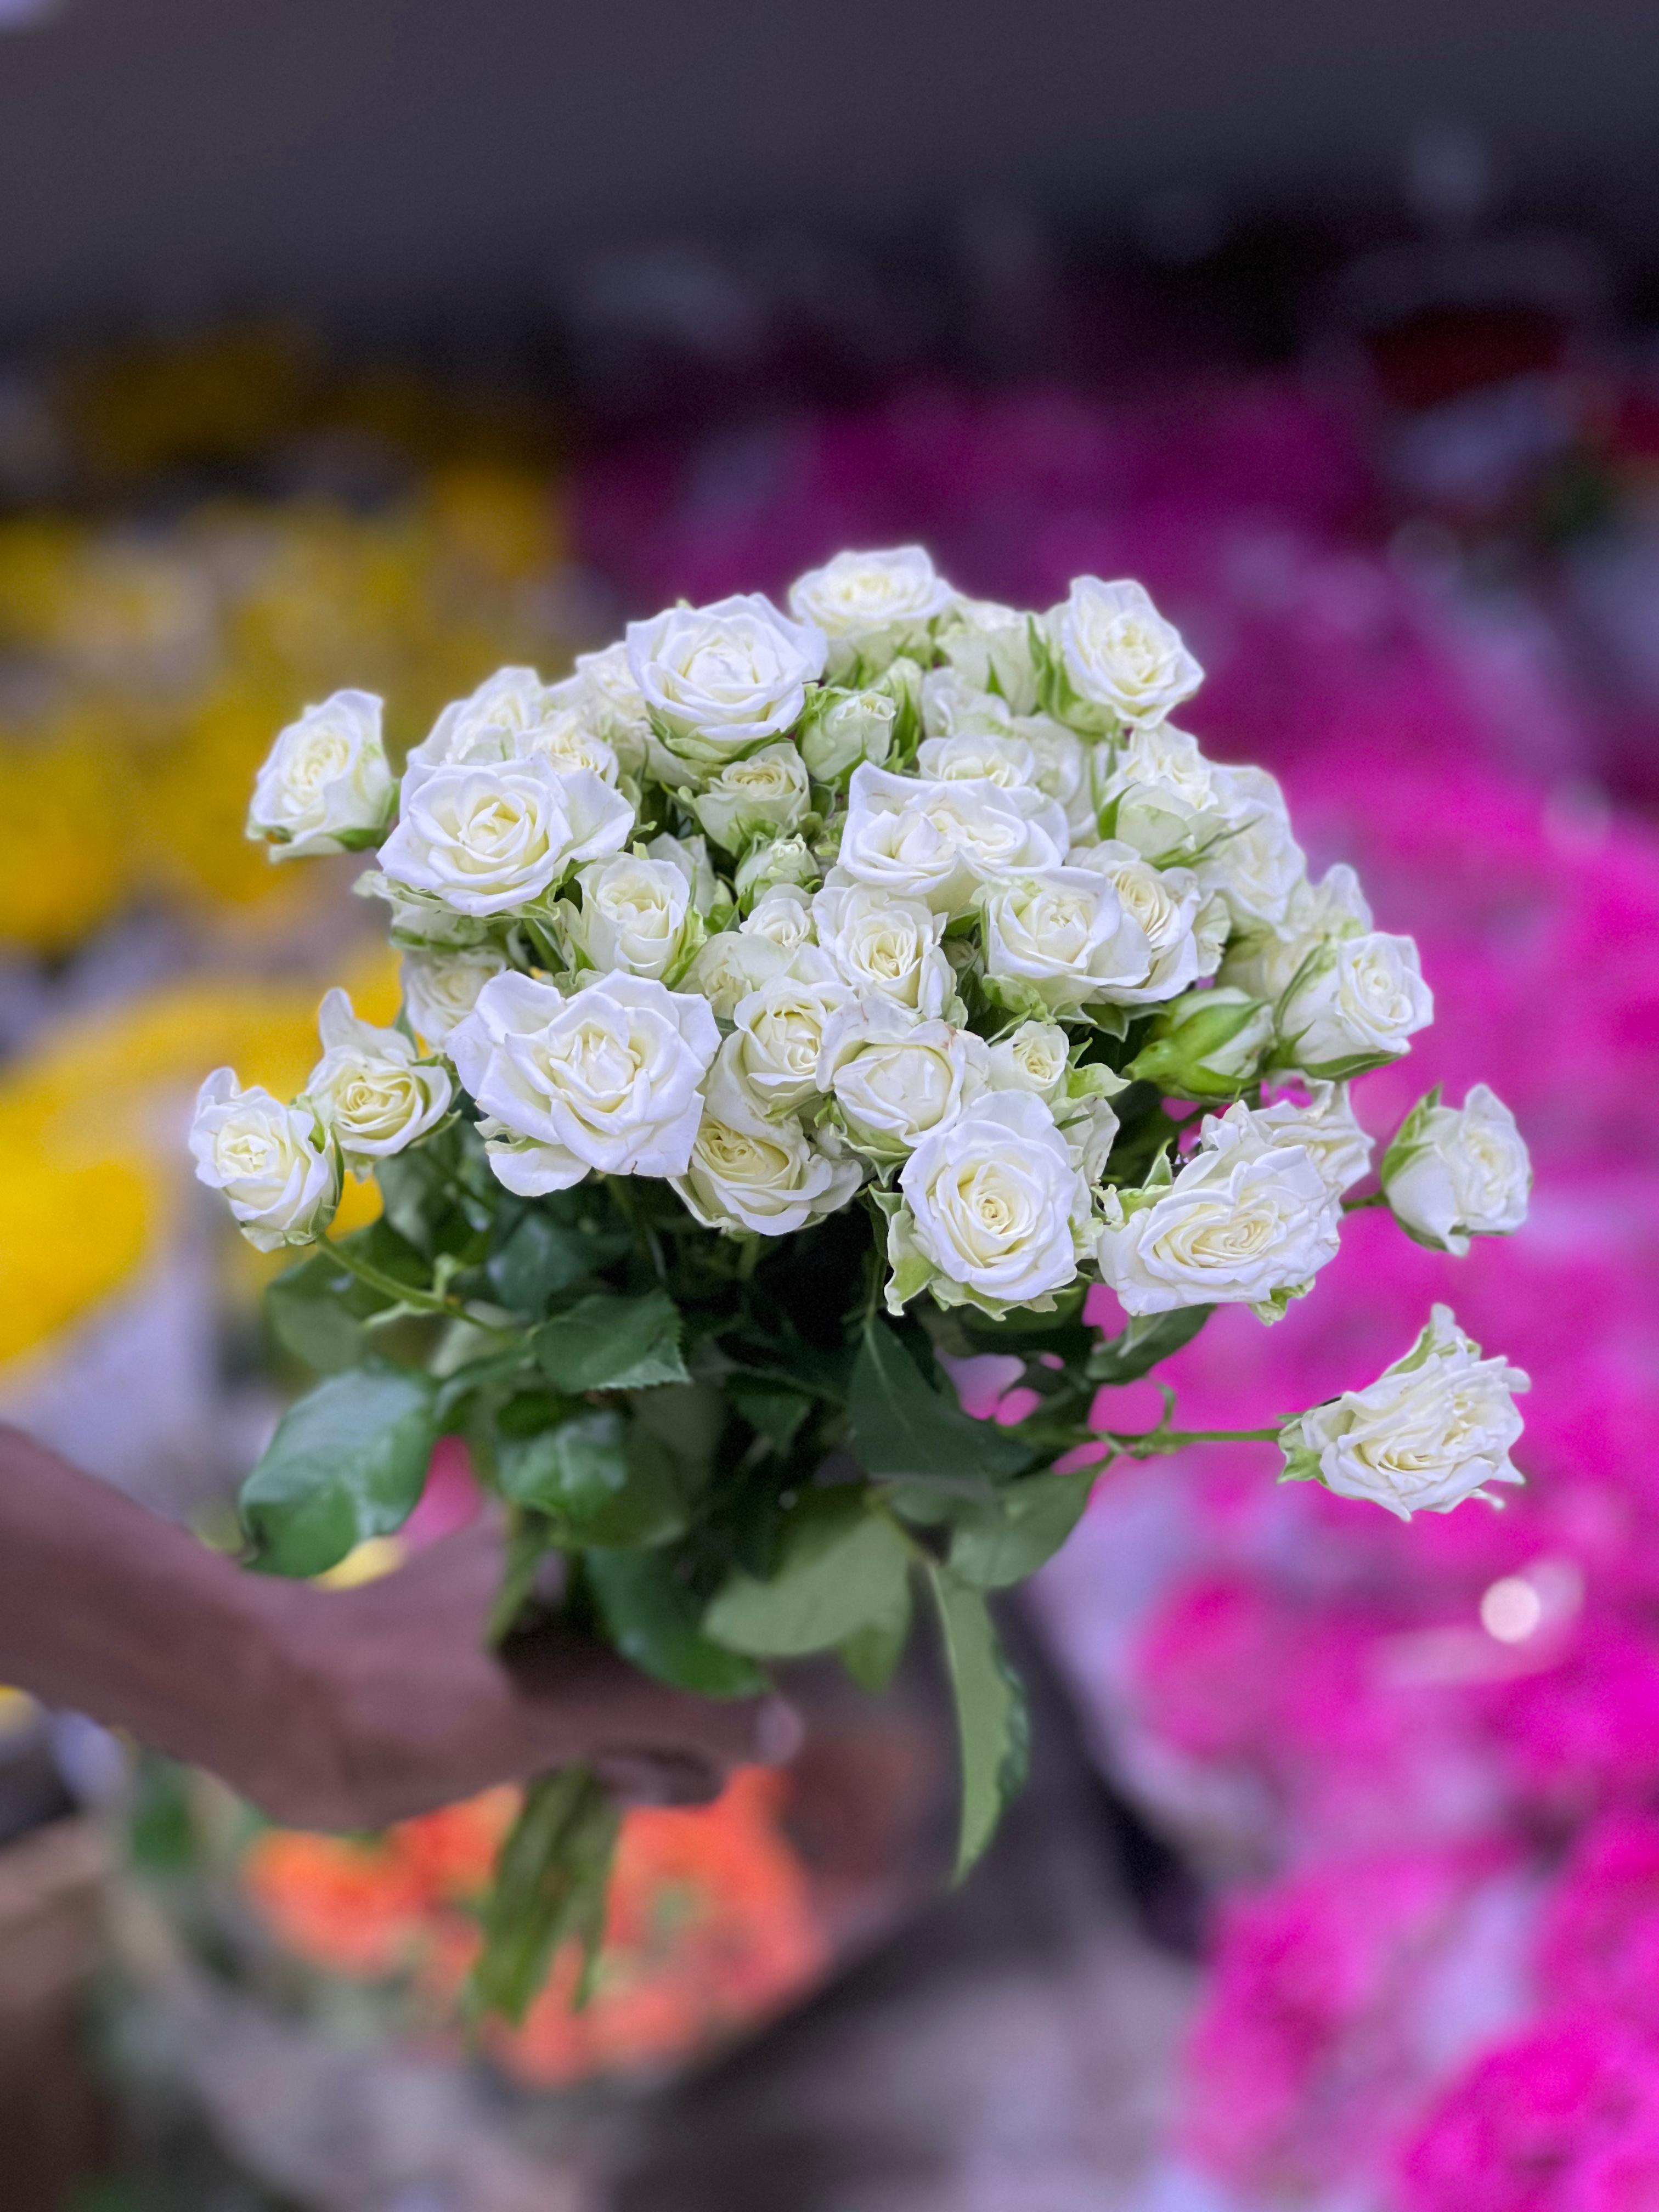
{"x": 651, "y": 1616}
{"x": 550, "y": 1881}
{"x": 994, "y": 1545}
{"x": 901, "y": 1425}
{"x": 603, "y": 1343}
{"x": 348, "y": 1461}
{"x": 1148, "y": 1340}
{"x": 841, "y": 1567}
{"x": 598, "y": 1478}
{"x": 771, "y": 1408}
{"x": 991, "y": 1718}
{"x": 317, "y": 1309}
{"x": 544, "y": 1251}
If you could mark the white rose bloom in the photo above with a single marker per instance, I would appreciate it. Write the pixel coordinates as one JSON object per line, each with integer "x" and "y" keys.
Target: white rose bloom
{"x": 325, "y": 786}
{"x": 843, "y": 729}
{"x": 885, "y": 946}
{"x": 1165, "y": 904}
{"x": 767, "y": 793}
{"x": 1238, "y": 1225}
{"x": 1166, "y": 797}
{"x": 1064, "y": 933}
{"x": 1035, "y": 1058}
{"x": 1263, "y": 961}
{"x": 602, "y": 694}
{"x": 564, "y": 741}
{"x": 941, "y": 842}
{"x": 972, "y": 757}
{"x": 1119, "y": 654}
{"x": 1090, "y": 1127}
{"x": 720, "y": 680}
{"x": 897, "y": 1078}
{"x": 487, "y": 724}
{"x": 951, "y": 707}
{"x": 371, "y": 1087}
{"x": 871, "y": 606}
{"x": 441, "y": 988}
{"x": 748, "y": 1173}
{"x": 633, "y": 916}
{"x": 490, "y": 839}
{"x": 1355, "y": 1003}
{"x": 690, "y": 856}
{"x": 1059, "y": 767}
{"x": 784, "y": 916}
{"x": 608, "y": 1079}
{"x": 1431, "y": 1430}
{"x": 1454, "y": 1172}
{"x": 767, "y": 866}
{"x": 778, "y": 1038}
{"x": 275, "y": 1164}
{"x": 989, "y": 646}
{"x": 995, "y": 1211}
{"x": 731, "y": 965}
{"x": 1327, "y": 1128}
{"x": 1255, "y": 864}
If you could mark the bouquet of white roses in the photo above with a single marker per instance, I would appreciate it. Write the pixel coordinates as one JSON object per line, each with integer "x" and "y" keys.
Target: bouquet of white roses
{"x": 793, "y": 1003}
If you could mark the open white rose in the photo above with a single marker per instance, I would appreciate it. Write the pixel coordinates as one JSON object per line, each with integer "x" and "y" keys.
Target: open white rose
{"x": 1327, "y": 1128}
{"x": 489, "y": 839}
{"x": 608, "y": 1079}
{"x": 728, "y": 967}
{"x": 975, "y": 756}
{"x": 995, "y": 1211}
{"x": 885, "y": 946}
{"x": 770, "y": 862}
{"x": 325, "y": 786}
{"x": 442, "y": 987}
{"x": 1062, "y": 933}
{"x": 1454, "y": 1172}
{"x": 748, "y": 1172}
{"x": 784, "y": 916}
{"x": 487, "y": 724}
{"x": 1263, "y": 959}
{"x": 897, "y": 1078}
{"x": 1119, "y": 652}
{"x": 941, "y": 843}
{"x": 371, "y": 1087}
{"x": 843, "y": 729}
{"x": 766, "y": 794}
{"x": 1061, "y": 768}
{"x": 603, "y": 695}
{"x": 1164, "y": 798}
{"x": 1357, "y": 1002}
{"x": 633, "y": 916}
{"x": 779, "y": 1037}
{"x": 1238, "y": 1225}
{"x": 1165, "y": 905}
{"x": 951, "y": 707}
{"x": 720, "y": 680}
{"x": 275, "y": 1164}
{"x": 1432, "y": 1430}
{"x": 1035, "y": 1057}
{"x": 989, "y": 646}
{"x": 871, "y": 606}
{"x": 1254, "y": 863}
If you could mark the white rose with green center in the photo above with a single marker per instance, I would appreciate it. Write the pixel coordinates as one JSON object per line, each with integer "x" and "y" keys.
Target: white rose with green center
{"x": 1165, "y": 904}
{"x": 371, "y": 1087}
{"x": 720, "y": 680}
{"x": 1454, "y": 1172}
{"x": 989, "y": 647}
{"x": 276, "y": 1164}
{"x": 783, "y": 916}
{"x": 779, "y": 1037}
{"x": 325, "y": 786}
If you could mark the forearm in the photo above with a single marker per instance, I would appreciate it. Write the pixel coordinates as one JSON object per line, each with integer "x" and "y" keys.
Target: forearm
{"x": 109, "y": 1610}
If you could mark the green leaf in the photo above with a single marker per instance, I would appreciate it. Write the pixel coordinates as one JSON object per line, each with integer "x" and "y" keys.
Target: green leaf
{"x": 1027, "y": 1335}
{"x": 841, "y": 1567}
{"x": 541, "y": 1253}
{"x": 316, "y": 1310}
{"x": 772, "y": 1408}
{"x": 598, "y": 1479}
{"x": 549, "y": 1885}
{"x": 991, "y": 1719}
{"x": 651, "y": 1618}
{"x": 901, "y": 1425}
{"x": 1148, "y": 1338}
{"x": 1026, "y": 1526}
{"x": 871, "y": 1654}
{"x": 529, "y": 1540}
{"x": 604, "y": 1343}
{"x": 348, "y": 1461}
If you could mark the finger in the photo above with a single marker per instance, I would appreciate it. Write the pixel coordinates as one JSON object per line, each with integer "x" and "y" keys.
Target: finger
{"x": 595, "y": 1699}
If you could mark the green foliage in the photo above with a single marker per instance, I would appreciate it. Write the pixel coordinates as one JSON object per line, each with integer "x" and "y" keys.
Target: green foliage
{"x": 550, "y": 1881}
{"x": 318, "y": 1310}
{"x": 598, "y": 1478}
{"x": 540, "y": 1250}
{"x": 1148, "y": 1340}
{"x": 991, "y": 1726}
{"x": 349, "y": 1460}
{"x": 841, "y": 1568}
{"x": 901, "y": 1425}
{"x": 995, "y": 1545}
{"x": 653, "y": 1618}
{"x": 606, "y": 1343}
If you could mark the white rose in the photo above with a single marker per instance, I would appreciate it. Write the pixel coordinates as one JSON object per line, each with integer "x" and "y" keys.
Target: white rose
{"x": 325, "y": 786}
{"x": 1255, "y": 864}
{"x": 602, "y": 694}
{"x": 487, "y": 724}
{"x": 995, "y": 1211}
{"x": 897, "y": 1078}
{"x": 1059, "y": 767}
{"x": 1355, "y": 1003}
{"x": 843, "y": 729}
{"x": 1035, "y": 1058}
{"x": 275, "y": 1164}
{"x": 731, "y": 965}
{"x": 1454, "y": 1172}
{"x": 1163, "y": 796}
{"x": 778, "y": 1038}
{"x": 1327, "y": 1128}
{"x": 1238, "y": 1225}
{"x": 1431, "y": 1430}
{"x": 633, "y": 916}
{"x": 441, "y": 988}
{"x": 689, "y": 856}
{"x": 871, "y": 606}
{"x": 971, "y": 756}
{"x": 1064, "y": 935}
{"x": 490, "y": 839}
{"x": 1263, "y": 960}
{"x": 939, "y": 843}
{"x": 784, "y": 916}
{"x": 720, "y": 680}
{"x": 608, "y": 1079}
{"x": 1118, "y": 653}
{"x": 748, "y": 1173}
{"x": 768, "y": 793}
{"x": 951, "y": 707}
{"x": 769, "y": 864}
{"x": 885, "y": 946}
{"x": 1165, "y": 904}
{"x": 989, "y": 646}
{"x": 371, "y": 1087}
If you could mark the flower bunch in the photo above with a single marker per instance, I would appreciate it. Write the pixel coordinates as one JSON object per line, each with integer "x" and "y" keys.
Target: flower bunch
{"x": 795, "y": 1002}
